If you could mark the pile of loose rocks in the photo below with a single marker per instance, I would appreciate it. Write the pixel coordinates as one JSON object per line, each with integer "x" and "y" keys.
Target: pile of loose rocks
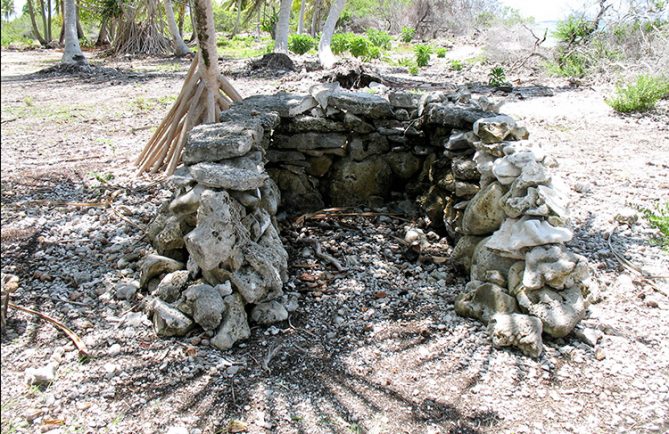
{"x": 220, "y": 255}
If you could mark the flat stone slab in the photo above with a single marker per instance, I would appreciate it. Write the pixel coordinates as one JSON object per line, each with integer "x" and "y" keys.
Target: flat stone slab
{"x": 310, "y": 141}
{"x": 358, "y": 103}
{"x": 455, "y": 116}
{"x": 227, "y": 176}
{"x": 213, "y": 142}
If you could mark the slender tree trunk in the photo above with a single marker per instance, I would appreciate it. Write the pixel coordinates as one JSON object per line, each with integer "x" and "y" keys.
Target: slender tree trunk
{"x": 282, "y": 27}
{"x": 180, "y": 47}
{"x": 181, "y": 12}
{"x": 61, "y": 38}
{"x": 45, "y": 27}
{"x": 300, "y": 23}
{"x": 49, "y": 37}
{"x": 316, "y": 18}
{"x": 72, "y": 52}
{"x": 325, "y": 55}
{"x": 33, "y": 22}
{"x": 239, "y": 17}
{"x": 80, "y": 30}
{"x": 206, "y": 35}
{"x": 193, "y": 36}
{"x": 103, "y": 36}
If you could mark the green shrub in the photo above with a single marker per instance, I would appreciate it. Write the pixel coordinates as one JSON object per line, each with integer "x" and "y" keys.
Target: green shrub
{"x": 573, "y": 29}
{"x": 441, "y": 52}
{"x": 359, "y": 46}
{"x": 423, "y": 53}
{"x": 457, "y": 65}
{"x": 640, "y": 96}
{"x": 569, "y": 65}
{"x": 405, "y": 61}
{"x": 407, "y": 34}
{"x": 341, "y": 42}
{"x": 413, "y": 69}
{"x": 300, "y": 44}
{"x": 379, "y": 38}
{"x": 659, "y": 219}
{"x": 497, "y": 76}
{"x": 373, "y": 52}
{"x": 18, "y": 31}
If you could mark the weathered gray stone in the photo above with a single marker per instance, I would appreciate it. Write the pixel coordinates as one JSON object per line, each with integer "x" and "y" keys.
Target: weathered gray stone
{"x": 354, "y": 123}
{"x": 407, "y": 100}
{"x": 42, "y": 376}
{"x": 454, "y": 116}
{"x": 302, "y": 124}
{"x": 517, "y": 330}
{"x": 228, "y": 176}
{"x": 234, "y": 326}
{"x": 515, "y": 277}
{"x": 403, "y": 164}
{"x": 280, "y": 103}
{"x": 207, "y": 305}
{"x": 485, "y": 259}
{"x": 217, "y": 231}
{"x": 168, "y": 320}
{"x": 213, "y": 142}
{"x": 559, "y": 311}
{"x": 483, "y": 301}
{"x": 319, "y": 166}
{"x": 465, "y": 169}
{"x": 466, "y": 189}
{"x": 269, "y": 312}
{"x": 277, "y": 156}
{"x": 554, "y": 266}
{"x": 170, "y": 287}
{"x": 126, "y": 290}
{"x": 310, "y": 141}
{"x": 270, "y": 196}
{"x": 494, "y": 129}
{"x": 155, "y": 265}
{"x": 359, "y": 182}
{"x": 256, "y": 223}
{"x": 362, "y": 147}
{"x": 298, "y": 191}
{"x": 250, "y": 199}
{"x": 464, "y": 251}
{"x": 170, "y": 238}
{"x": 188, "y": 202}
{"x": 483, "y": 214}
{"x": 517, "y": 234}
{"x": 359, "y": 103}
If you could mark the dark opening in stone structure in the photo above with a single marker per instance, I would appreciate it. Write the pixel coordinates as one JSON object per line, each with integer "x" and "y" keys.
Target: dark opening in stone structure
{"x": 469, "y": 169}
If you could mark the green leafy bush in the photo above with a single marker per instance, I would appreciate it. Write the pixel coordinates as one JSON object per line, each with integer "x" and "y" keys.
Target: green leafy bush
{"x": 379, "y": 38}
{"x": 640, "y": 96}
{"x": 658, "y": 217}
{"x": 373, "y": 52}
{"x": 423, "y": 53}
{"x": 457, "y": 65}
{"x": 569, "y": 65}
{"x": 573, "y": 29}
{"x": 300, "y": 44}
{"x": 441, "y": 52}
{"x": 341, "y": 42}
{"x": 407, "y": 34}
{"x": 497, "y": 76}
{"x": 405, "y": 61}
{"x": 413, "y": 69}
{"x": 359, "y": 46}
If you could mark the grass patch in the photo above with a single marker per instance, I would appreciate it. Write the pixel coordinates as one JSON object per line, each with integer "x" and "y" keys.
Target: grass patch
{"x": 242, "y": 47}
{"x": 641, "y": 95}
{"x": 658, "y": 217}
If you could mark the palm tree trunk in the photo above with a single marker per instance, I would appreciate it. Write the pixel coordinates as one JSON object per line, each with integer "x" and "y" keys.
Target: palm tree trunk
{"x": 33, "y": 22}
{"x": 72, "y": 51}
{"x": 180, "y": 47}
{"x": 325, "y": 55}
{"x": 45, "y": 27}
{"x": 80, "y": 30}
{"x": 206, "y": 35}
{"x": 300, "y": 23}
{"x": 48, "y": 31}
{"x": 282, "y": 27}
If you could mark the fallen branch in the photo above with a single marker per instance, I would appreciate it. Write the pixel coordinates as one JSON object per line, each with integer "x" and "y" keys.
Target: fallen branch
{"x": 319, "y": 252}
{"x": 83, "y": 351}
{"x": 635, "y": 269}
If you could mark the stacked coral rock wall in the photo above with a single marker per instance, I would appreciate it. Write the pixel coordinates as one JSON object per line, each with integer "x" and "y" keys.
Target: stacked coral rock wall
{"x": 220, "y": 255}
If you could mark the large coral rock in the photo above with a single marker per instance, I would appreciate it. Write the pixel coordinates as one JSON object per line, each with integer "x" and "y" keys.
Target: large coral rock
{"x": 213, "y": 142}
{"x": 518, "y": 330}
{"x": 168, "y": 320}
{"x": 494, "y": 129}
{"x": 298, "y": 191}
{"x": 269, "y": 312}
{"x": 155, "y": 265}
{"x": 554, "y": 266}
{"x": 228, "y": 176}
{"x": 170, "y": 287}
{"x": 204, "y": 303}
{"x": 234, "y": 326}
{"x": 559, "y": 311}
{"x": 218, "y": 229}
{"x": 486, "y": 260}
{"x": 484, "y": 214}
{"x": 360, "y": 182}
{"x": 360, "y": 103}
{"x": 484, "y": 300}
{"x": 464, "y": 251}
{"x": 516, "y": 234}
